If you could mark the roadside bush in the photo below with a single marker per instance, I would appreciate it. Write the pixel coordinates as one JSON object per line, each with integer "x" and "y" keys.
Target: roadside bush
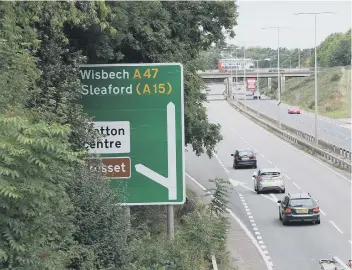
{"x": 335, "y": 77}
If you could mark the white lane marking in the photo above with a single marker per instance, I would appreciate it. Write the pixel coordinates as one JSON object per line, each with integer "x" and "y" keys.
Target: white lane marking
{"x": 269, "y": 161}
{"x": 255, "y": 228}
{"x": 262, "y": 155}
{"x": 287, "y": 176}
{"x": 268, "y": 264}
{"x": 321, "y": 211}
{"x": 274, "y": 197}
{"x": 296, "y": 185}
{"x": 257, "y": 233}
{"x": 221, "y": 163}
{"x": 337, "y": 228}
{"x": 302, "y": 152}
{"x": 260, "y": 238}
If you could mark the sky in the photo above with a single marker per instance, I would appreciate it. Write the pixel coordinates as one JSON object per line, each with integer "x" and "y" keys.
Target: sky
{"x": 297, "y": 31}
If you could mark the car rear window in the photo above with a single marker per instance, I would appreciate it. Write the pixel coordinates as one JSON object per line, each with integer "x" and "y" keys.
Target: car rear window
{"x": 271, "y": 174}
{"x": 245, "y": 153}
{"x": 302, "y": 202}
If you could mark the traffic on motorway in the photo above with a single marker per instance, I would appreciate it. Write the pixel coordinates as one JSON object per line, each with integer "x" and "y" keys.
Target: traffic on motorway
{"x": 297, "y": 208}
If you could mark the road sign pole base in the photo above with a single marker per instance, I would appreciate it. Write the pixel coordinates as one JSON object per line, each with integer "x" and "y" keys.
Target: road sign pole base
{"x": 170, "y": 222}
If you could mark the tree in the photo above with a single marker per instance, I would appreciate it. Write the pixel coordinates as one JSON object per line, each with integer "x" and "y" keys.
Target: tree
{"x": 161, "y": 32}
{"x": 36, "y": 220}
{"x": 341, "y": 56}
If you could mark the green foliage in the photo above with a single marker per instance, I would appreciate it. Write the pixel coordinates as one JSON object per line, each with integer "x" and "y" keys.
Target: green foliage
{"x": 220, "y": 195}
{"x": 102, "y": 226}
{"x": 335, "y": 50}
{"x": 56, "y": 214}
{"x": 35, "y": 164}
{"x": 198, "y": 236}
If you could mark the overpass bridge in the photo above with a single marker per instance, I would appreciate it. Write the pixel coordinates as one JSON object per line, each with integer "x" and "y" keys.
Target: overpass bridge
{"x": 260, "y": 72}
{"x": 268, "y": 73}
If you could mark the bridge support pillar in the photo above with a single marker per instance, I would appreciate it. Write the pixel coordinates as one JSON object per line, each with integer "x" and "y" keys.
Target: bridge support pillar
{"x": 283, "y": 80}
{"x": 269, "y": 83}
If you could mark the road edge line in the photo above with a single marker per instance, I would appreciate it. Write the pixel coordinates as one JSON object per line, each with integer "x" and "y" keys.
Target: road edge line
{"x": 268, "y": 264}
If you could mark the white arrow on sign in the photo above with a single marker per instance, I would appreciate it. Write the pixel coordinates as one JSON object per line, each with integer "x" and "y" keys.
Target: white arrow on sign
{"x": 170, "y": 181}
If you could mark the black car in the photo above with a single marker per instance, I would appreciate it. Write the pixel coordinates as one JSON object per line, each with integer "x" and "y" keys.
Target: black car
{"x": 244, "y": 158}
{"x": 299, "y": 207}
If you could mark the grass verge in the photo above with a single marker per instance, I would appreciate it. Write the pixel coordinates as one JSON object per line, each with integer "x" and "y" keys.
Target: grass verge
{"x": 334, "y": 92}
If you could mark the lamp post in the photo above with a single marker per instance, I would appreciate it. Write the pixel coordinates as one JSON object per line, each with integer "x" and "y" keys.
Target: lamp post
{"x": 236, "y": 79}
{"x": 278, "y": 70}
{"x": 257, "y": 84}
{"x": 315, "y": 72}
{"x": 244, "y": 72}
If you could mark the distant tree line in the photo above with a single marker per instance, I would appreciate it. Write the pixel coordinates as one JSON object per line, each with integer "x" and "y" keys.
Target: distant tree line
{"x": 56, "y": 214}
{"x": 335, "y": 50}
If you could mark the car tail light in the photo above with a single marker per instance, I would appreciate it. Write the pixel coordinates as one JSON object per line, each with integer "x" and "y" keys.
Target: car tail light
{"x": 253, "y": 157}
{"x": 288, "y": 210}
{"x": 260, "y": 178}
{"x": 236, "y": 157}
{"x": 316, "y": 209}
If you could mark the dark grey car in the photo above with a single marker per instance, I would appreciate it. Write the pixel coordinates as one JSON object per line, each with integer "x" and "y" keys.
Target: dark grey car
{"x": 299, "y": 207}
{"x": 244, "y": 158}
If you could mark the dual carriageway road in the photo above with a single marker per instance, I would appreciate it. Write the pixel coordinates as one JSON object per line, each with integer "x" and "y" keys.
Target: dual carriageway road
{"x": 327, "y": 129}
{"x": 292, "y": 247}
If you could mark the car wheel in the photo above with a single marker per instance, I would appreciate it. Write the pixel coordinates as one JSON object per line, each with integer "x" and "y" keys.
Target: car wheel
{"x": 255, "y": 187}
{"x": 283, "y": 190}
{"x": 255, "y": 166}
{"x": 318, "y": 221}
{"x": 280, "y": 218}
{"x": 284, "y": 222}
{"x": 258, "y": 191}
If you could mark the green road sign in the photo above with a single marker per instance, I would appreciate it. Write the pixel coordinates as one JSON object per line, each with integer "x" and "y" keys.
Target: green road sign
{"x": 139, "y": 110}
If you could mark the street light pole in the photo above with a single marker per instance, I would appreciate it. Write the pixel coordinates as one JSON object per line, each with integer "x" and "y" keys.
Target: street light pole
{"x": 236, "y": 87}
{"x": 278, "y": 71}
{"x": 244, "y": 72}
{"x": 315, "y": 72}
{"x": 257, "y": 86}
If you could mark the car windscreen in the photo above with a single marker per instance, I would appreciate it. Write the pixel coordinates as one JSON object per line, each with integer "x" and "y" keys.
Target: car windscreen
{"x": 302, "y": 202}
{"x": 245, "y": 153}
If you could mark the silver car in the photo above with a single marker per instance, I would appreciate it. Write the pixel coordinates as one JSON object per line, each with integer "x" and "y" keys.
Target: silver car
{"x": 268, "y": 179}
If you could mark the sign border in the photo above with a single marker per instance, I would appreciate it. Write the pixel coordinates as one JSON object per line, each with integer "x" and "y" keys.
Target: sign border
{"x": 182, "y": 128}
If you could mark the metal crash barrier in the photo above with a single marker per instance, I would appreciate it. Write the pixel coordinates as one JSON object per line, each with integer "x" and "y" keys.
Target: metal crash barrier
{"x": 340, "y": 158}
{"x": 334, "y": 264}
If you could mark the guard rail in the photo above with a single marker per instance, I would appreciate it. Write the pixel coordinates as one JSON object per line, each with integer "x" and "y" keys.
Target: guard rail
{"x": 334, "y": 264}
{"x": 340, "y": 152}
{"x": 295, "y": 136}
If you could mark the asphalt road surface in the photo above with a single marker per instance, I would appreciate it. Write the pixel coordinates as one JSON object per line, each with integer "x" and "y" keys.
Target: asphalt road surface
{"x": 292, "y": 247}
{"x": 327, "y": 130}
